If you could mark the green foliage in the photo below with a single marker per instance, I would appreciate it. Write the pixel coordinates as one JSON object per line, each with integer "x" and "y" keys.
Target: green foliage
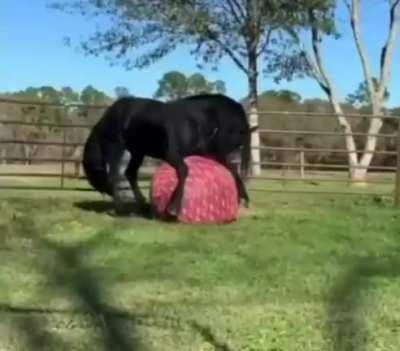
{"x": 284, "y": 95}
{"x": 289, "y": 61}
{"x": 121, "y": 92}
{"x": 140, "y": 32}
{"x": 198, "y": 84}
{"x": 66, "y": 95}
{"x": 43, "y": 93}
{"x": 361, "y": 95}
{"x": 174, "y": 85}
{"x": 92, "y": 96}
{"x": 69, "y": 96}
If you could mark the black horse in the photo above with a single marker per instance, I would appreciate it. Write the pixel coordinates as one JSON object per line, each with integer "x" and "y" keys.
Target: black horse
{"x": 209, "y": 124}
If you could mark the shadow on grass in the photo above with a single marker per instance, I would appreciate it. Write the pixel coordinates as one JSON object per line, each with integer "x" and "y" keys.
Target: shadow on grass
{"x": 68, "y": 272}
{"x": 81, "y": 282}
{"x": 108, "y": 207}
{"x": 351, "y": 298}
{"x": 95, "y": 206}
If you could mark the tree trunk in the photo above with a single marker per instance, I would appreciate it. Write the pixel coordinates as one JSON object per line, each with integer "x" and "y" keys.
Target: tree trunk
{"x": 253, "y": 102}
{"x": 371, "y": 140}
{"x": 377, "y": 96}
{"x": 29, "y": 152}
{"x": 349, "y": 139}
{"x": 321, "y": 76}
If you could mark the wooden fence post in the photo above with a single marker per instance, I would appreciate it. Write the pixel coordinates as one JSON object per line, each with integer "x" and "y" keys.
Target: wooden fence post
{"x": 62, "y": 159}
{"x": 397, "y": 188}
{"x": 77, "y": 169}
{"x": 64, "y": 138}
{"x": 302, "y": 164}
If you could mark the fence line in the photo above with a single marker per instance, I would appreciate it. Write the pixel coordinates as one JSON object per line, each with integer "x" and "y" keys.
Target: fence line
{"x": 325, "y": 114}
{"x": 326, "y": 166}
{"x": 323, "y": 133}
{"x": 343, "y": 151}
{"x": 302, "y": 165}
{"x": 268, "y": 147}
{"x": 45, "y": 124}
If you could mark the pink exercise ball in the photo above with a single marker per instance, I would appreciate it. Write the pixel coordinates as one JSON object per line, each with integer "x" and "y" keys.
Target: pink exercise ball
{"x": 210, "y": 194}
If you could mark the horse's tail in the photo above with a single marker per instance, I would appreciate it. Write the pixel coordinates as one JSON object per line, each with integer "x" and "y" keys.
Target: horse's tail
{"x": 94, "y": 163}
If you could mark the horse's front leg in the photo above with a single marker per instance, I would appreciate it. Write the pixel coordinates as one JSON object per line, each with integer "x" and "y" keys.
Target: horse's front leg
{"x": 175, "y": 204}
{"x": 131, "y": 174}
{"x": 116, "y": 153}
{"x": 176, "y": 159}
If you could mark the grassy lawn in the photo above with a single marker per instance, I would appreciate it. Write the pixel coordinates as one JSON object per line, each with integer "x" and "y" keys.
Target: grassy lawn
{"x": 296, "y": 272}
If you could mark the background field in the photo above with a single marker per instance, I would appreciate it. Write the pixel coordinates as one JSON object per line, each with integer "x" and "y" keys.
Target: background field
{"x": 296, "y": 272}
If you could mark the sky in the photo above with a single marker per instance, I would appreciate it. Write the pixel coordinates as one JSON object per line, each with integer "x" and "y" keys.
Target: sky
{"x": 32, "y": 53}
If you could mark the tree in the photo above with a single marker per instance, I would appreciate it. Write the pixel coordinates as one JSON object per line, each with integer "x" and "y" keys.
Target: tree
{"x": 121, "y": 92}
{"x": 242, "y": 30}
{"x": 43, "y": 94}
{"x": 361, "y": 95}
{"x": 198, "y": 84}
{"x": 69, "y": 96}
{"x": 284, "y": 95}
{"x": 310, "y": 62}
{"x": 219, "y": 86}
{"x": 174, "y": 85}
{"x": 92, "y": 96}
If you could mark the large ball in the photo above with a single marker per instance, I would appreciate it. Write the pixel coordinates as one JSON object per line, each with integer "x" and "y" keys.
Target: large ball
{"x": 210, "y": 194}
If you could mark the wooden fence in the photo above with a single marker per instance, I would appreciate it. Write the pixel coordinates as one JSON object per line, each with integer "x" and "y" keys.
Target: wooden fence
{"x": 273, "y": 172}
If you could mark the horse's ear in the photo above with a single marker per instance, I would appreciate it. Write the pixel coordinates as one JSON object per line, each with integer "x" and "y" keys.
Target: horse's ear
{"x": 253, "y": 129}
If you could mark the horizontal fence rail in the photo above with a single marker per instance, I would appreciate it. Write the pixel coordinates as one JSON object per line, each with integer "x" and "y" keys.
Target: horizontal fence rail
{"x": 324, "y": 114}
{"x": 68, "y": 166}
{"x": 323, "y": 133}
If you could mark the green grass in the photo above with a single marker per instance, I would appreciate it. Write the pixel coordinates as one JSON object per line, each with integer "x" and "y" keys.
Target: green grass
{"x": 296, "y": 272}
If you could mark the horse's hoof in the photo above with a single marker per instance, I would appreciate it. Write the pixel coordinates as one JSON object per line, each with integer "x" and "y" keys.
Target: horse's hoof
{"x": 246, "y": 203}
{"x": 146, "y": 211}
{"x": 172, "y": 211}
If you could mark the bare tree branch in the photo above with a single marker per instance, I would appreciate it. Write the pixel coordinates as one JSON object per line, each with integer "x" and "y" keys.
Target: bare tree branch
{"x": 266, "y": 41}
{"x": 228, "y": 51}
{"x": 234, "y": 12}
{"x": 355, "y": 25}
{"x": 326, "y": 84}
{"x": 394, "y": 3}
{"x": 315, "y": 70}
{"x": 387, "y": 50}
{"x": 347, "y": 3}
{"x": 239, "y": 7}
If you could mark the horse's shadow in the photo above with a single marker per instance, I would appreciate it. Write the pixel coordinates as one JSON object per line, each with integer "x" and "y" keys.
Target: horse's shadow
{"x": 130, "y": 209}
{"x": 98, "y": 206}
